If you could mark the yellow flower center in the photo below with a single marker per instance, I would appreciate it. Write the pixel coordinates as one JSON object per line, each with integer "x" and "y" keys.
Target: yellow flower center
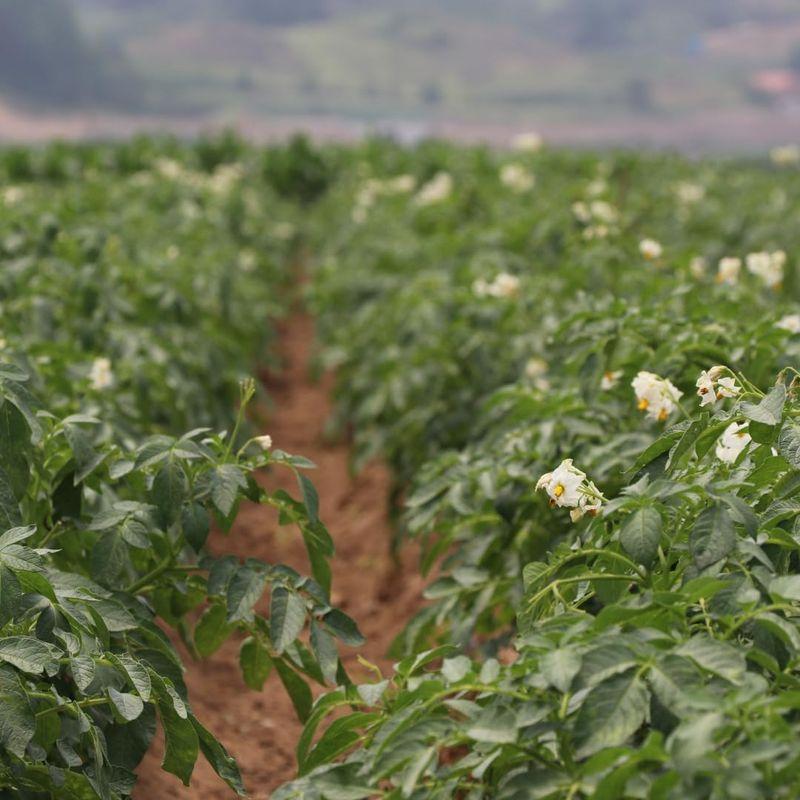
{"x": 643, "y": 404}
{"x": 662, "y": 415}
{"x": 559, "y": 490}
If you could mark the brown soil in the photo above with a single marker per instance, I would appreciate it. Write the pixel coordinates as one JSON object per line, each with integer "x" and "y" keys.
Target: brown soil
{"x": 260, "y": 729}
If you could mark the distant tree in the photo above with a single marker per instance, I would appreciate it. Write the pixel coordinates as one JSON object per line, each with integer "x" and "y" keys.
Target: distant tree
{"x": 45, "y": 58}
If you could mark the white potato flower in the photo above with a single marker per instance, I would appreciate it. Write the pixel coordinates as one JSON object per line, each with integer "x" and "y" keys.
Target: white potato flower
{"x": 528, "y": 142}
{"x": 656, "y": 396}
{"x": 689, "y": 193}
{"x": 785, "y": 155}
{"x": 728, "y": 270}
{"x": 791, "y": 323}
{"x": 597, "y": 187}
{"x": 568, "y": 487}
{"x": 767, "y": 266}
{"x": 504, "y": 285}
{"x": 517, "y": 178}
{"x": 100, "y": 374}
{"x": 651, "y": 249}
{"x": 603, "y": 211}
{"x": 264, "y": 442}
{"x": 610, "y": 379}
{"x": 698, "y": 266}
{"x": 436, "y": 190}
{"x": 712, "y": 387}
{"x": 734, "y": 439}
{"x": 581, "y": 212}
{"x": 12, "y": 195}
{"x": 536, "y": 367}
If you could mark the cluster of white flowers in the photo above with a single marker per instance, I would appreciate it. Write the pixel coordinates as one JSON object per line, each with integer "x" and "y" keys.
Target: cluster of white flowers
{"x": 656, "y": 396}
{"x": 224, "y": 178}
{"x": 248, "y": 260}
{"x": 283, "y": 230}
{"x": 734, "y": 439}
{"x": 599, "y": 217}
{"x": 173, "y": 252}
{"x": 768, "y": 267}
{"x": 689, "y": 193}
{"x": 698, "y": 266}
{"x": 728, "y": 270}
{"x": 375, "y": 188}
{"x": 100, "y": 375}
{"x": 610, "y": 379}
{"x": 12, "y": 195}
{"x": 264, "y": 442}
{"x": 528, "y": 142}
{"x": 785, "y": 155}
{"x": 503, "y": 285}
{"x": 712, "y": 386}
{"x": 436, "y": 190}
{"x": 597, "y": 187}
{"x": 790, "y": 322}
{"x": 517, "y": 177}
{"x": 568, "y": 487}
{"x": 651, "y": 249}
{"x": 536, "y": 371}
{"x": 220, "y": 182}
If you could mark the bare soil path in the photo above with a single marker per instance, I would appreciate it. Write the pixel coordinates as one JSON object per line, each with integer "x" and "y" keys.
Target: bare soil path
{"x": 261, "y": 729}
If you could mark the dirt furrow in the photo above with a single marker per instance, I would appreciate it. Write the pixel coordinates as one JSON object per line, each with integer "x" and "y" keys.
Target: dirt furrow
{"x": 261, "y": 729}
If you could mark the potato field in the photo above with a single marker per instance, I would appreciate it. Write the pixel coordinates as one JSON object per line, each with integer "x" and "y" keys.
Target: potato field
{"x": 580, "y": 375}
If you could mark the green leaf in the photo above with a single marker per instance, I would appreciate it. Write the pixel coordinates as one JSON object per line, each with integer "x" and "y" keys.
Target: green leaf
{"x": 29, "y": 654}
{"x": 181, "y": 740}
{"x": 495, "y": 725}
{"x": 713, "y": 537}
{"x": 244, "y": 591}
{"x": 298, "y": 691}
{"x": 310, "y": 497}
{"x": 110, "y": 558}
{"x": 219, "y": 758}
{"x": 324, "y": 647}
{"x": 9, "y": 507}
{"x": 255, "y": 663}
{"x": 17, "y": 720}
{"x": 789, "y": 442}
{"x": 770, "y": 410}
{"x": 287, "y": 617}
{"x": 87, "y": 459}
{"x": 340, "y": 736}
{"x": 714, "y": 656}
{"x": 212, "y": 630}
{"x": 786, "y": 586}
{"x": 128, "y": 706}
{"x": 641, "y": 534}
{"x": 611, "y": 713}
{"x": 195, "y": 525}
{"x": 559, "y": 667}
{"x": 226, "y": 483}
{"x": 10, "y": 594}
{"x": 343, "y": 628}
{"x": 135, "y": 671}
{"x": 83, "y": 671}
{"x": 170, "y": 487}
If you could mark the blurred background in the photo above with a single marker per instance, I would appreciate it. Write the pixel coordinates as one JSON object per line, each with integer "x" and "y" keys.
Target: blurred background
{"x": 690, "y": 74}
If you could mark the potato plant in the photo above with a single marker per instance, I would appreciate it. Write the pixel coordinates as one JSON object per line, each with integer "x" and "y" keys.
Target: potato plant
{"x": 133, "y": 306}
{"x": 621, "y": 333}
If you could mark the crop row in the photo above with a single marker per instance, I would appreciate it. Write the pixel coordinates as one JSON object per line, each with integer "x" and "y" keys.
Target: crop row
{"x": 583, "y": 371}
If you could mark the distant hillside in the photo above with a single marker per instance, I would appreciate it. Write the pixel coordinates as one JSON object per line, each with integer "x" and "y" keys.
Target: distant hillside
{"x": 45, "y": 58}
{"x": 564, "y": 61}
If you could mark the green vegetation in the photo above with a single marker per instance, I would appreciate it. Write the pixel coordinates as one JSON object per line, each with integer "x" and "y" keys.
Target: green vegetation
{"x": 583, "y": 371}
{"x": 138, "y": 285}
